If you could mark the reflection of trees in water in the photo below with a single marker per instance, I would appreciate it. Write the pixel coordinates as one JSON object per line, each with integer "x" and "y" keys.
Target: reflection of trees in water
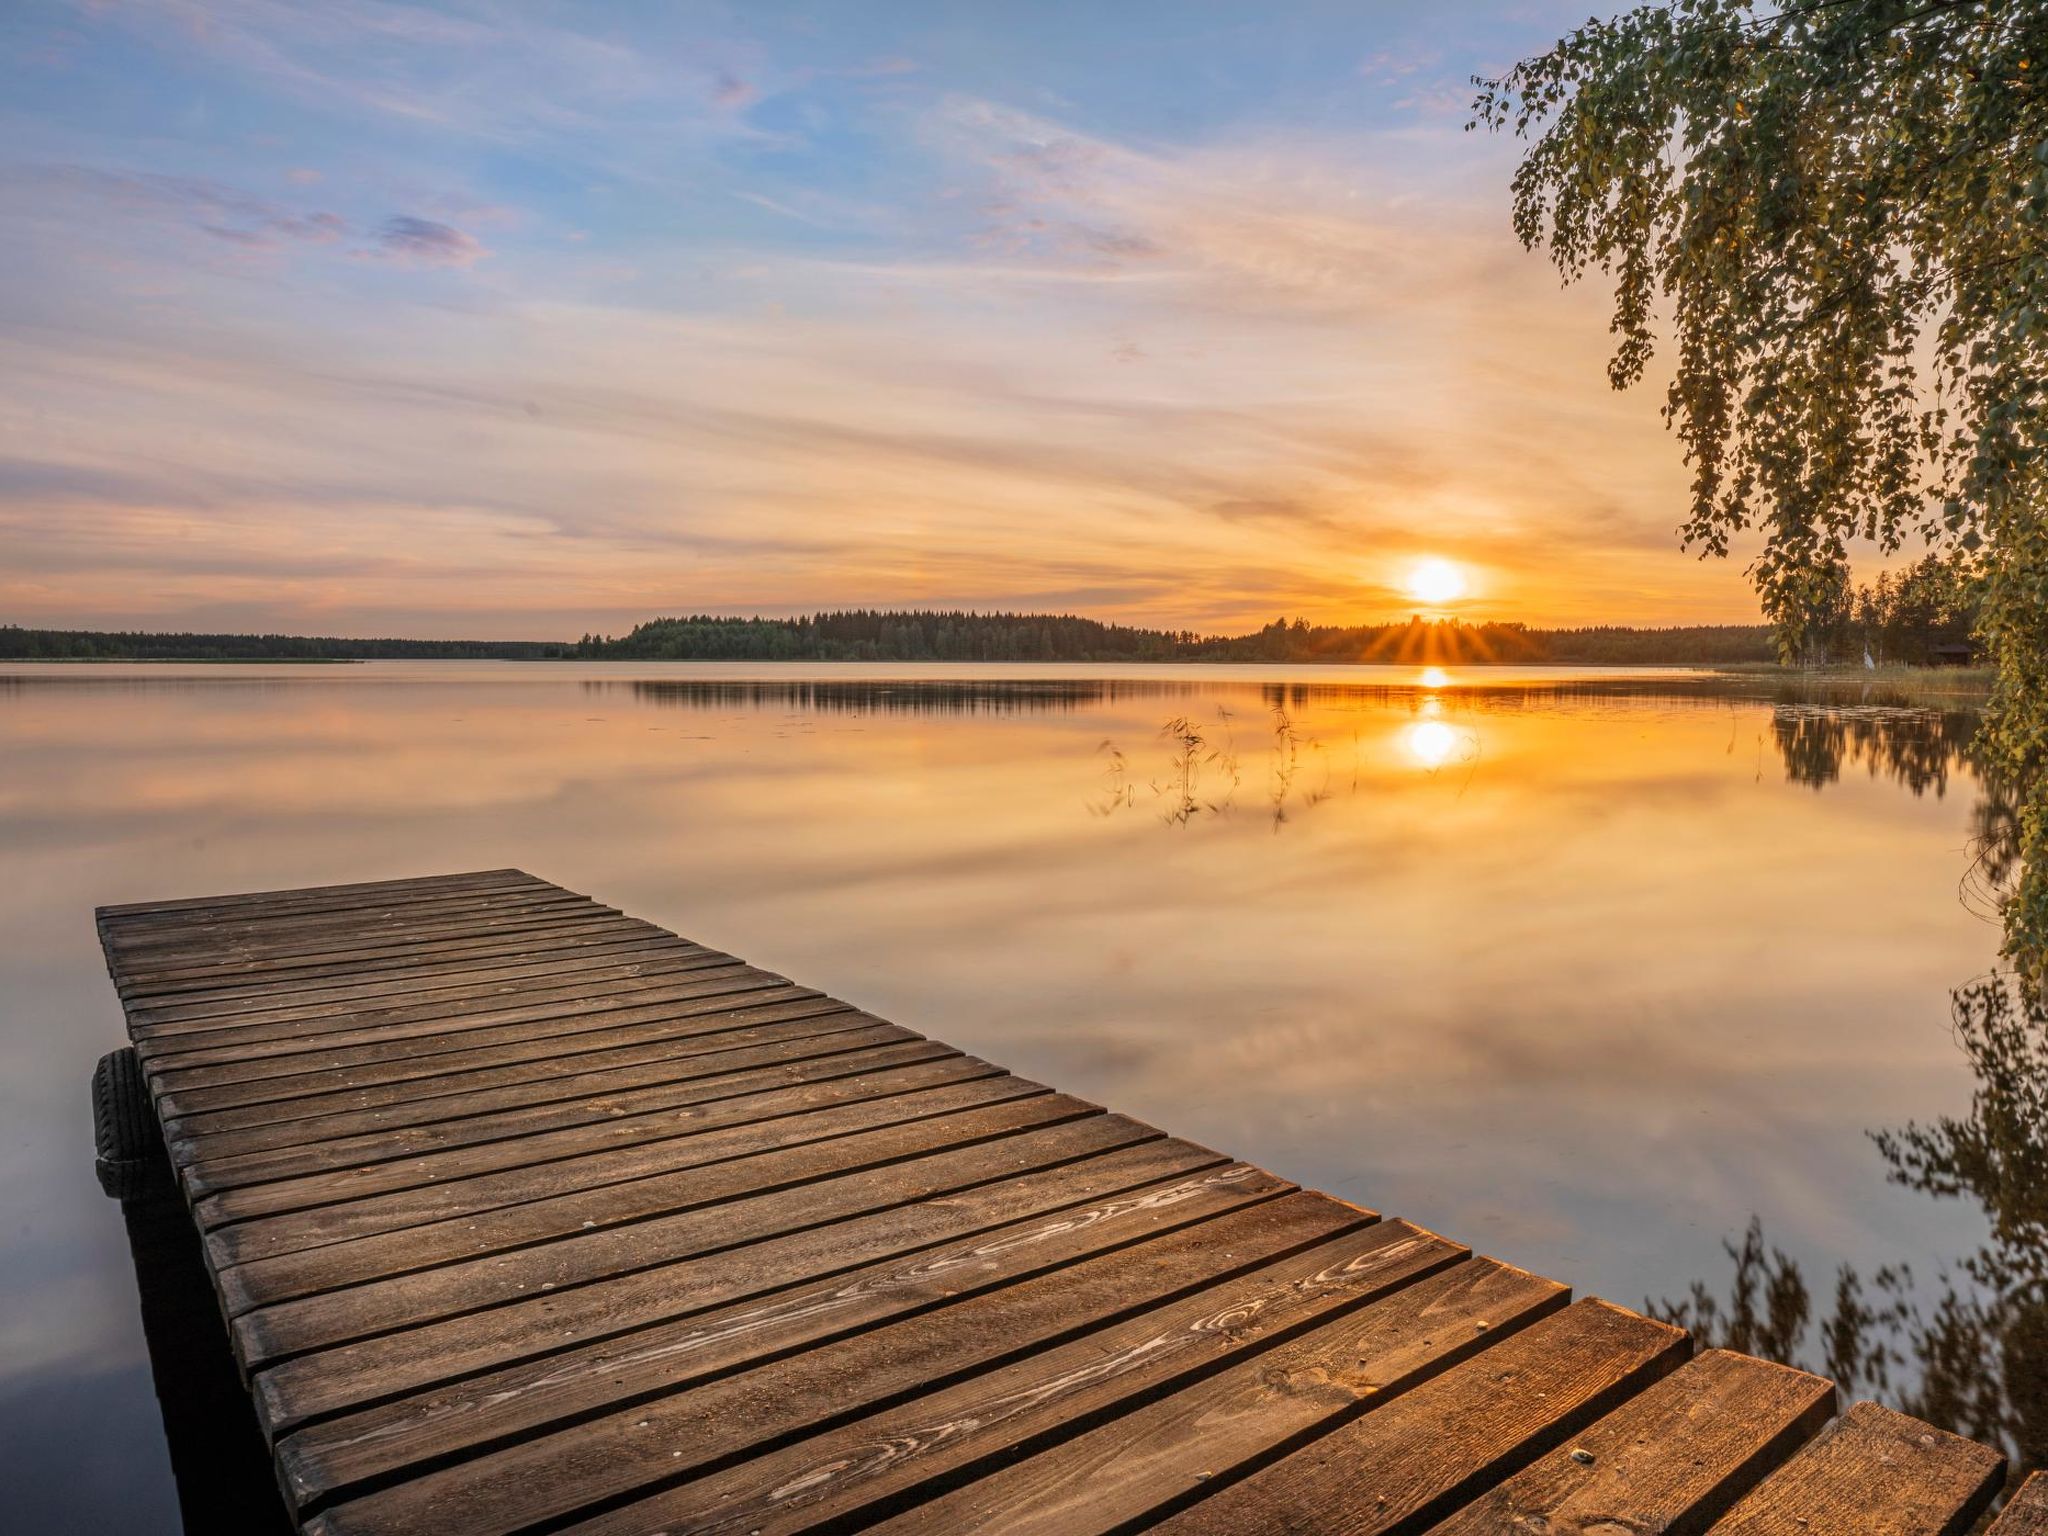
{"x": 1975, "y": 1359}
{"x": 1971, "y": 1352}
{"x": 1916, "y": 749}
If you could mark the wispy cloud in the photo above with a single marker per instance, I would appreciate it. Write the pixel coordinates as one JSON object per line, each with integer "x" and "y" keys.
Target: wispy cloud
{"x": 901, "y": 341}
{"x": 426, "y": 243}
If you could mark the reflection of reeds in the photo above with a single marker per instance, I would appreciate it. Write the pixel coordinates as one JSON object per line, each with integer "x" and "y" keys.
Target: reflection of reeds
{"x": 1200, "y": 756}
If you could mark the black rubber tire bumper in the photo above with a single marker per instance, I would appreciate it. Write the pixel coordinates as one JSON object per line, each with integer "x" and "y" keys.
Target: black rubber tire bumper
{"x": 129, "y": 1154}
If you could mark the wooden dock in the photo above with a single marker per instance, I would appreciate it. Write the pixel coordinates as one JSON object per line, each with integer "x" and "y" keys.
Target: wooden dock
{"x": 526, "y": 1216}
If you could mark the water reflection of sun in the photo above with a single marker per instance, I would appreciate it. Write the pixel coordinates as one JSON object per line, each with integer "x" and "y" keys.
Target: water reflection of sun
{"x": 1429, "y": 742}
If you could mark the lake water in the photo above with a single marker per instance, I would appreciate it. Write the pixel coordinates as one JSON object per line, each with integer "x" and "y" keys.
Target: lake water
{"x": 1584, "y": 969}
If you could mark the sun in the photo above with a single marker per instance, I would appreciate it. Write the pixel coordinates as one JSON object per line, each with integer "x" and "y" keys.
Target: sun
{"x": 1436, "y": 582}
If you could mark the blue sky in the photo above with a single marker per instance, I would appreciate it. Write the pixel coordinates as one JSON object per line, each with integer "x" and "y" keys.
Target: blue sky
{"x": 531, "y": 319}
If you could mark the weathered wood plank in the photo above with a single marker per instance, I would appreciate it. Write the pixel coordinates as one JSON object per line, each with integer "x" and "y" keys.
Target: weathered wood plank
{"x": 783, "y": 1031}
{"x": 469, "y": 1181}
{"x": 1164, "y": 1456}
{"x": 386, "y": 1027}
{"x": 139, "y": 953}
{"x": 1671, "y": 1460}
{"x": 167, "y": 1043}
{"x": 795, "y": 1240}
{"x": 859, "y": 1135}
{"x": 716, "y": 1023}
{"x": 2026, "y": 1514}
{"x": 634, "y": 1448}
{"x": 476, "y": 1114}
{"x": 357, "y": 891}
{"x": 1439, "y": 1445}
{"x": 724, "y": 1207}
{"x": 663, "y": 1088}
{"x": 852, "y": 1475}
{"x": 500, "y": 1407}
{"x": 405, "y": 1042}
{"x": 206, "y": 977}
{"x": 1878, "y": 1473}
{"x": 218, "y": 930}
{"x": 418, "y": 983}
{"x": 340, "y": 946}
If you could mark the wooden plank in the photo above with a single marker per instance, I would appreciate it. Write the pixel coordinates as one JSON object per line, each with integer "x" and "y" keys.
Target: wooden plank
{"x": 715, "y": 1023}
{"x": 472, "y": 1113}
{"x": 422, "y": 983}
{"x": 803, "y": 1239}
{"x": 2027, "y": 1512}
{"x": 469, "y": 1181}
{"x": 1672, "y": 1460}
{"x": 1144, "y": 1465}
{"x": 1436, "y": 1447}
{"x": 851, "y": 1475}
{"x": 625, "y": 1450}
{"x": 535, "y": 1065}
{"x": 724, "y": 1207}
{"x": 217, "y": 929}
{"x": 206, "y": 977}
{"x": 859, "y": 1135}
{"x": 347, "y": 945}
{"x": 646, "y": 1091}
{"x": 291, "y": 1022}
{"x": 138, "y": 953}
{"x": 168, "y": 1043}
{"x": 1878, "y": 1473}
{"x": 361, "y": 890}
{"x": 498, "y": 1408}
{"x": 268, "y": 1059}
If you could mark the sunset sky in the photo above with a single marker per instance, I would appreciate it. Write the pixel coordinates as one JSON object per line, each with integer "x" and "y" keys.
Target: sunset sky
{"x": 521, "y": 320}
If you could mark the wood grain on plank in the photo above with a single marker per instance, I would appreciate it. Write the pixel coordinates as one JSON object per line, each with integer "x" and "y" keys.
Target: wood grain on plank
{"x": 1145, "y": 1464}
{"x": 863, "y": 1135}
{"x": 427, "y": 1124}
{"x": 216, "y": 929}
{"x": 417, "y": 994}
{"x": 208, "y": 978}
{"x": 865, "y": 1470}
{"x": 726, "y": 1205}
{"x": 139, "y": 954}
{"x": 425, "y": 1054}
{"x": 279, "y": 1046}
{"x": 168, "y": 1045}
{"x": 634, "y": 1448}
{"x": 651, "y": 1091}
{"x": 361, "y": 890}
{"x": 1671, "y": 1460}
{"x": 501, "y": 1406}
{"x": 580, "y": 917}
{"x": 1877, "y": 1473}
{"x": 471, "y": 1182}
{"x": 502, "y": 1075}
{"x": 794, "y": 1240}
{"x": 1436, "y": 1447}
{"x": 2026, "y": 1513}
{"x": 417, "y": 983}
{"x": 717, "y": 1023}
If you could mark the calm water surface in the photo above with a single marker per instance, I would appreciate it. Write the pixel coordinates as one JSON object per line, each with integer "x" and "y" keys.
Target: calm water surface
{"x": 1584, "y": 970}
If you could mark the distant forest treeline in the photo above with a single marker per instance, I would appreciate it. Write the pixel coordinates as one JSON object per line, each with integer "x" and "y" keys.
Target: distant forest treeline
{"x": 18, "y": 644}
{"x": 865, "y": 635}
